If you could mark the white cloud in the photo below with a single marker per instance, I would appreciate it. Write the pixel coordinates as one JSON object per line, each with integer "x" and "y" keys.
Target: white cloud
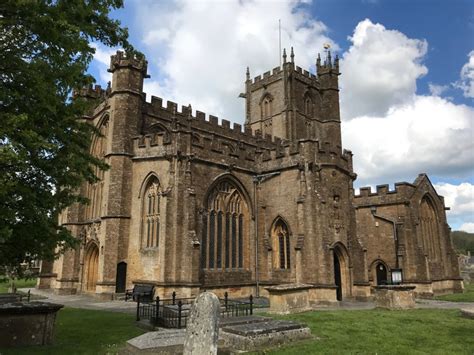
{"x": 198, "y": 50}
{"x": 427, "y": 134}
{"x": 467, "y": 227}
{"x": 460, "y": 198}
{"x": 437, "y": 90}
{"x": 102, "y": 58}
{"x": 379, "y": 70}
{"x": 466, "y": 82}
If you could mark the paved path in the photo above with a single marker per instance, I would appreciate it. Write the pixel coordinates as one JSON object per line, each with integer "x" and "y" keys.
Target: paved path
{"x": 89, "y": 302}
{"x": 84, "y": 301}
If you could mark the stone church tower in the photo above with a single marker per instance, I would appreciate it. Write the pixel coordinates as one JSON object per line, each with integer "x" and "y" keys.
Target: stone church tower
{"x": 191, "y": 204}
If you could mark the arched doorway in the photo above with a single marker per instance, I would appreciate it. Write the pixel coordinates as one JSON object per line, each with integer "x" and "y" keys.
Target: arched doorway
{"x": 381, "y": 272}
{"x": 92, "y": 267}
{"x": 121, "y": 277}
{"x": 341, "y": 272}
{"x": 337, "y": 277}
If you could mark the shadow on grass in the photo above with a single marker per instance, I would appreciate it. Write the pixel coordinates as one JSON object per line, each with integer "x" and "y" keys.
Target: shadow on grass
{"x": 80, "y": 331}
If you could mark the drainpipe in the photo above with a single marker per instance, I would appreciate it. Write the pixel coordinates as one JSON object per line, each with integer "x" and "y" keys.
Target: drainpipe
{"x": 373, "y": 210}
{"x": 257, "y": 180}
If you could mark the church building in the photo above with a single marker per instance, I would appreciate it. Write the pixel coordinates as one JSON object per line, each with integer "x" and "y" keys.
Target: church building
{"x": 193, "y": 203}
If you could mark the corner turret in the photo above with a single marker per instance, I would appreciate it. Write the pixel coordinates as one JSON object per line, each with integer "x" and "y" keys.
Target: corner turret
{"x": 328, "y": 75}
{"x": 128, "y": 72}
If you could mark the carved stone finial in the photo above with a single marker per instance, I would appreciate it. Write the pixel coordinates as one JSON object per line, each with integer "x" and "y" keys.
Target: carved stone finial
{"x": 292, "y": 56}
{"x": 284, "y": 55}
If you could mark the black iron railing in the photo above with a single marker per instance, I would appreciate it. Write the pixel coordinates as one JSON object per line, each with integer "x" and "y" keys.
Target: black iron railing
{"x": 174, "y": 312}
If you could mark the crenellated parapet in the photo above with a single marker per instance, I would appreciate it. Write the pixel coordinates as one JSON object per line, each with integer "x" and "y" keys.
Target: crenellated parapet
{"x": 328, "y": 66}
{"x": 92, "y": 92}
{"x": 126, "y": 60}
{"x": 182, "y": 117}
{"x": 383, "y": 195}
{"x": 215, "y": 139}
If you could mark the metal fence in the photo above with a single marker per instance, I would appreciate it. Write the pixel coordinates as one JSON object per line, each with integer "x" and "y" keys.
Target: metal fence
{"x": 174, "y": 312}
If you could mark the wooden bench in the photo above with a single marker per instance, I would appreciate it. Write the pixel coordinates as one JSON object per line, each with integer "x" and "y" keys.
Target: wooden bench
{"x": 145, "y": 292}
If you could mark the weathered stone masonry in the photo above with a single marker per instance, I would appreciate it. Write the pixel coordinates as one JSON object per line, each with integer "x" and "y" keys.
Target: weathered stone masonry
{"x": 191, "y": 204}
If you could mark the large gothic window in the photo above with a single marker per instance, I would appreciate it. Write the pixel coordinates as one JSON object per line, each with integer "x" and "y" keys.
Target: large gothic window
{"x": 95, "y": 190}
{"x": 281, "y": 245}
{"x": 151, "y": 214}
{"x": 429, "y": 229}
{"x": 224, "y": 228}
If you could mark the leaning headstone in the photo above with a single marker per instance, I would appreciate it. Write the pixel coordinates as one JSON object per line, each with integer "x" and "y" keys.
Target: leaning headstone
{"x": 202, "y": 329}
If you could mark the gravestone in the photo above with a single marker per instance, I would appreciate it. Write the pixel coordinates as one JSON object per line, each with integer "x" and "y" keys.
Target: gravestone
{"x": 202, "y": 330}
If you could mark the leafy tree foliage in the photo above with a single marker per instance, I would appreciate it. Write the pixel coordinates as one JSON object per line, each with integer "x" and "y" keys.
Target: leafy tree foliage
{"x": 463, "y": 241}
{"x": 44, "y": 148}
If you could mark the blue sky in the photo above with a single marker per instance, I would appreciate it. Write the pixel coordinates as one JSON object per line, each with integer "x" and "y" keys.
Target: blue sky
{"x": 407, "y": 83}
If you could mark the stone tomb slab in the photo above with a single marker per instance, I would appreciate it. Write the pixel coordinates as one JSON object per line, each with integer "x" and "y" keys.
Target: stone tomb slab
{"x": 164, "y": 342}
{"x": 262, "y": 334}
{"x": 236, "y": 334}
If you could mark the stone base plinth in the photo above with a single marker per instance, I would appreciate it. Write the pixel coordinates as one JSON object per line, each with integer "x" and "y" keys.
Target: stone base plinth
{"x": 322, "y": 296}
{"x": 289, "y": 298}
{"x": 394, "y": 296}
{"x": 24, "y": 324}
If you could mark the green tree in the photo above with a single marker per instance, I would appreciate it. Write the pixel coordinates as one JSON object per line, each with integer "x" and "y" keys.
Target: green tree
{"x": 463, "y": 241}
{"x": 45, "y": 50}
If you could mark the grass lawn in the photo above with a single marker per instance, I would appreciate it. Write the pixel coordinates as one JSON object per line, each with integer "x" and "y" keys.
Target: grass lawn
{"x": 80, "y": 331}
{"x": 419, "y": 331}
{"x": 466, "y": 296}
{"x": 21, "y": 283}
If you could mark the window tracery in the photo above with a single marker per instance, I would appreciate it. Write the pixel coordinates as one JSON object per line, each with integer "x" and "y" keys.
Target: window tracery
{"x": 151, "y": 214}
{"x": 281, "y": 245}
{"x": 95, "y": 190}
{"x": 429, "y": 229}
{"x": 223, "y": 233}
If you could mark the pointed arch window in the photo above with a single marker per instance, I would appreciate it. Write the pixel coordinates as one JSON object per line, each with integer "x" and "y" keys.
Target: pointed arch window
{"x": 266, "y": 106}
{"x": 95, "y": 189}
{"x": 281, "y": 245}
{"x": 308, "y": 106}
{"x": 151, "y": 214}
{"x": 429, "y": 229}
{"x": 224, "y": 228}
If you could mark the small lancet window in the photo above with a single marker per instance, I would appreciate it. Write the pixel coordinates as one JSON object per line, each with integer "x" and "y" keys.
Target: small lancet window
{"x": 266, "y": 107}
{"x": 281, "y": 245}
{"x": 308, "y": 106}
